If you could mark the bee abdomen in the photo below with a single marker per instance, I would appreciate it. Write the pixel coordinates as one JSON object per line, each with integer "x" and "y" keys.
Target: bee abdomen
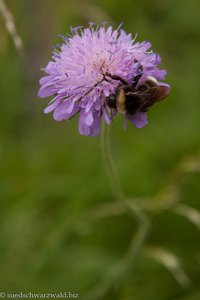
{"x": 132, "y": 103}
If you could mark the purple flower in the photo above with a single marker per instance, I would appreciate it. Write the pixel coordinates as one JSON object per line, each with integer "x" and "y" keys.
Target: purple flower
{"x": 91, "y": 65}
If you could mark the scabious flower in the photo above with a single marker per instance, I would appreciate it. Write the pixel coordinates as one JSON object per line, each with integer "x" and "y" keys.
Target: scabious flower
{"x": 76, "y": 76}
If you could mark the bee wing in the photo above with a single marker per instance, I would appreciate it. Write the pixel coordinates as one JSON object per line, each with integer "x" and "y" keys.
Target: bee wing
{"x": 153, "y": 95}
{"x": 160, "y": 92}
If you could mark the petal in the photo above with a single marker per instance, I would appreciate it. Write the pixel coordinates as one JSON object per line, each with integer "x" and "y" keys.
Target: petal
{"x": 52, "y": 106}
{"x": 106, "y": 90}
{"x": 45, "y": 80}
{"x": 70, "y": 108}
{"x": 95, "y": 128}
{"x": 83, "y": 128}
{"x": 139, "y": 119}
{"x": 88, "y": 106}
{"x": 61, "y": 112}
{"x": 51, "y": 68}
{"x": 46, "y": 92}
{"x": 89, "y": 118}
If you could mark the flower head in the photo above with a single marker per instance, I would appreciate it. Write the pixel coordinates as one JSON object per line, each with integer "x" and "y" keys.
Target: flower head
{"x": 91, "y": 65}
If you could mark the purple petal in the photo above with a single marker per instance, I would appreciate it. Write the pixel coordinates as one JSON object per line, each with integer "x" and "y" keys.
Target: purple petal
{"x": 106, "y": 91}
{"x": 70, "y": 108}
{"x": 45, "y": 79}
{"x": 83, "y": 128}
{"x": 60, "y": 113}
{"x": 88, "y": 106}
{"x": 89, "y": 118}
{"x": 139, "y": 119}
{"x": 50, "y": 68}
{"x": 46, "y": 92}
{"x": 95, "y": 128}
{"x": 52, "y": 106}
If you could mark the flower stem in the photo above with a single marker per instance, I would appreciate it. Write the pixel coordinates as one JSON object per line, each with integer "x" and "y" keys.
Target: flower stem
{"x": 109, "y": 164}
{"x": 138, "y": 214}
{"x": 115, "y": 183}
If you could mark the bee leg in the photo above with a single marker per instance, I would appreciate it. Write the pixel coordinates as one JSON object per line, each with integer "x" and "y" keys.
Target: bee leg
{"x": 116, "y": 77}
{"x": 136, "y": 79}
{"x": 90, "y": 90}
{"x": 111, "y": 114}
{"x": 106, "y": 79}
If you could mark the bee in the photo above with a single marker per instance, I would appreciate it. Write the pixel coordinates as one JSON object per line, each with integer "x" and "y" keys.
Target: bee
{"x": 132, "y": 98}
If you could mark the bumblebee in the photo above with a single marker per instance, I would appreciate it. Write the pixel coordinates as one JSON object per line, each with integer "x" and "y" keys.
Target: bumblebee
{"x": 131, "y": 98}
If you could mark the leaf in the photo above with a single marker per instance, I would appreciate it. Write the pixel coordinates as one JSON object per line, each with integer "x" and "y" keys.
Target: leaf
{"x": 169, "y": 261}
{"x": 190, "y": 213}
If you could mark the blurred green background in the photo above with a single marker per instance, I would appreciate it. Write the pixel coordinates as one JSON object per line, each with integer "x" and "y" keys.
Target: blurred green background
{"x": 60, "y": 228}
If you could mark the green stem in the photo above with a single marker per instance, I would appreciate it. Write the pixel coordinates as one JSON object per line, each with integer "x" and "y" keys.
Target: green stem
{"x": 138, "y": 214}
{"x": 115, "y": 183}
{"x": 109, "y": 164}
